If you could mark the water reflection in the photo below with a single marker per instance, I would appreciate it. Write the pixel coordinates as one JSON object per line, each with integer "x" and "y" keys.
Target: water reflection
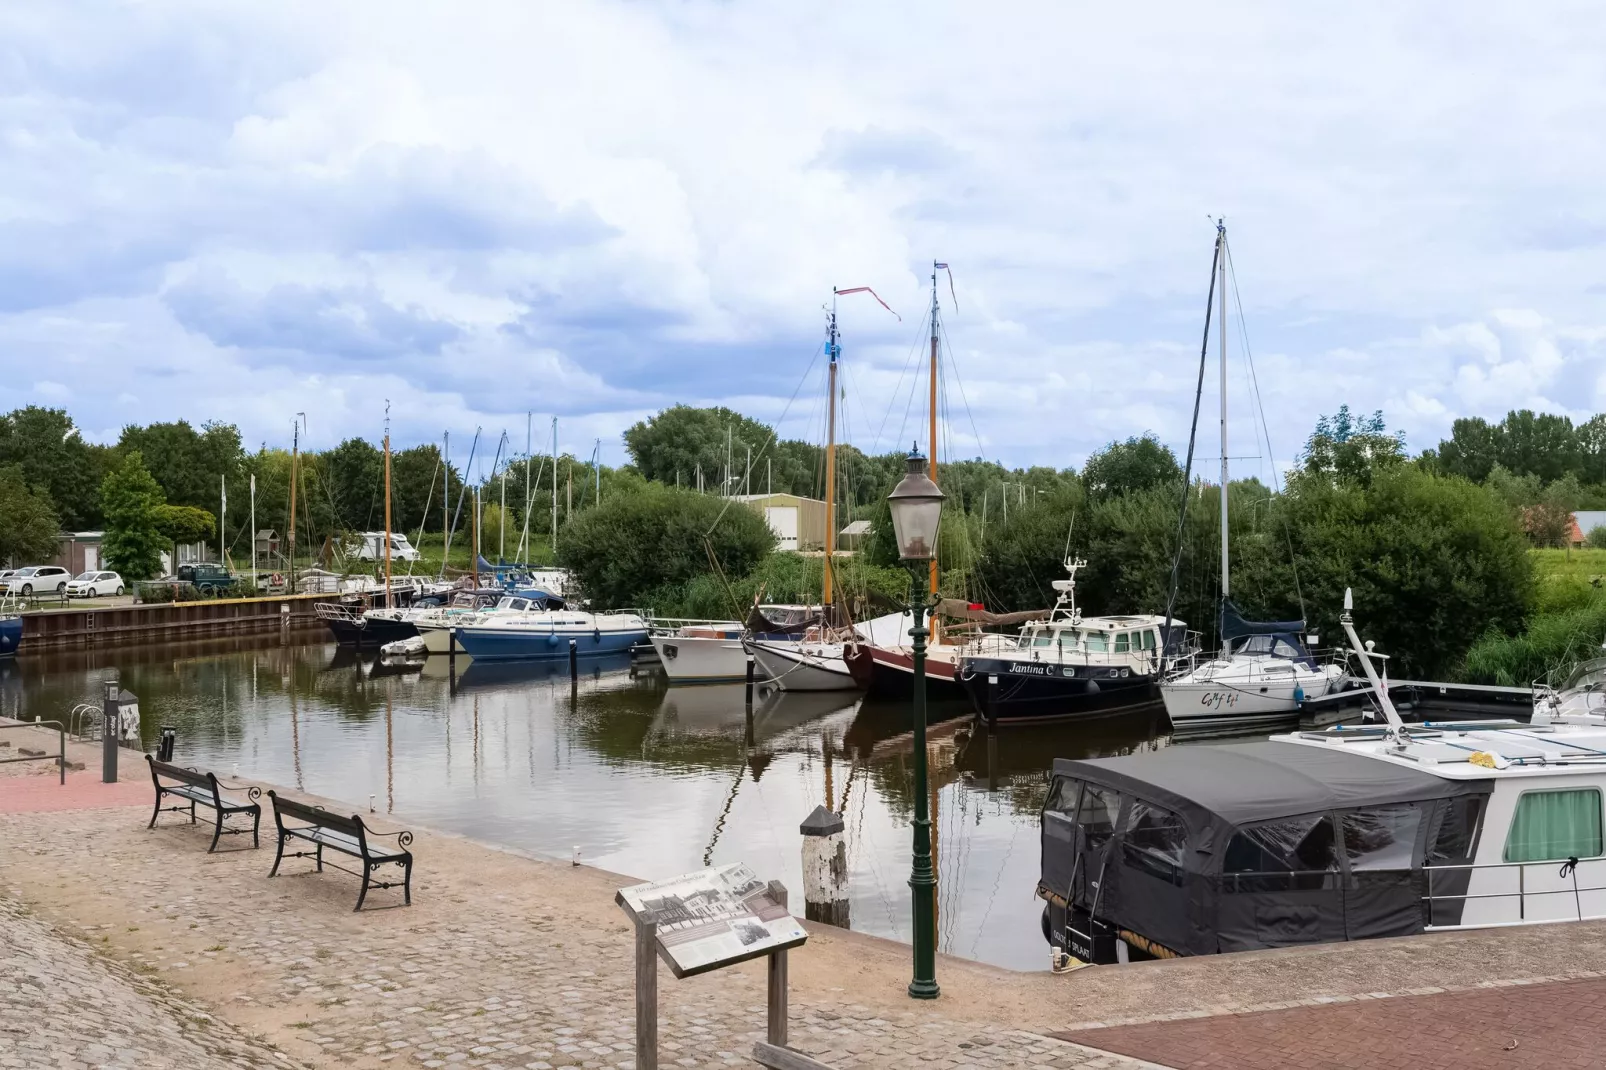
{"x": 643, "y": 779}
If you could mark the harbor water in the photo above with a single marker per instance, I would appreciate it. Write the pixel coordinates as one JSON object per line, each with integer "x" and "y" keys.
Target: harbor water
{"x": 638, "y": 777}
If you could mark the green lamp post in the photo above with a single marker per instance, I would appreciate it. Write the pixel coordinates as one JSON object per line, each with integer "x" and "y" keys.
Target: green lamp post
{"x": 916, "y": 504}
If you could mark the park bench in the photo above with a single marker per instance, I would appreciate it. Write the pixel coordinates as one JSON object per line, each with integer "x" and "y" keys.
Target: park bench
{"x": 346, "y": 835}
{"x": 202, "y": 789}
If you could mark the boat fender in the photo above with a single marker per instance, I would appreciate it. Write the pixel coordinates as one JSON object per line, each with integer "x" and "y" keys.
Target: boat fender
{"x": 596, "y": 635}
{"x": 1299, "y": 693}
{"x": 552, "y": 640}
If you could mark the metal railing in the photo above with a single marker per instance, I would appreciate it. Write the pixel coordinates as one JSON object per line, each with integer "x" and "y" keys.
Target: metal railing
{"x": 60, "y": 756}
{"x": 1568, "y": 868}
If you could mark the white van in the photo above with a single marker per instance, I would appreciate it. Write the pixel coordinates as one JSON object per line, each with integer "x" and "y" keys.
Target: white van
{"x": 373, "y": 547}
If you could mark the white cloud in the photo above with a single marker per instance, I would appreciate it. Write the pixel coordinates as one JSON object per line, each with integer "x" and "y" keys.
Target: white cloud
{"x": 598, "y": 208}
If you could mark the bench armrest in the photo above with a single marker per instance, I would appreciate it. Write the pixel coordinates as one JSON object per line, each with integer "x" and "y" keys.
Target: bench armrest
{"x": 402, "y": 838}
{"x": 252, "y": 792}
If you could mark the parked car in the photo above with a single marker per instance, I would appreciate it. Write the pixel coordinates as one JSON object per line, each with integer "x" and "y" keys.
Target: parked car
{"x": 207, "y": 577}
{"x": 38, "y": 579}
{"x": 95, "y": 585}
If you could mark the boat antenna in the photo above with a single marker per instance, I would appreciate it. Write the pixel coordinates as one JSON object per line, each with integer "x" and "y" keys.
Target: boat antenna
{"x": 1193, "y": 435}
{"x": 1396, "y": 726}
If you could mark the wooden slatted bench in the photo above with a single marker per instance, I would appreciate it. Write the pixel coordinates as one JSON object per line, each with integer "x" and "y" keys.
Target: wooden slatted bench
{"x": 196, "y": 788}
{"x": 345, "y": 835}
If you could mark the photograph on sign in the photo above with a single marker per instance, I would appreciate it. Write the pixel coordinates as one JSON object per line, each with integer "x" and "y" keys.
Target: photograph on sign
{"x": 714, "y": 917}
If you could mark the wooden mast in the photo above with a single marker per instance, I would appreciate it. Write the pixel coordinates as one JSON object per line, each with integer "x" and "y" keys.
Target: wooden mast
{"x": 830, "y": 455}
{"x": 387, "y": 506}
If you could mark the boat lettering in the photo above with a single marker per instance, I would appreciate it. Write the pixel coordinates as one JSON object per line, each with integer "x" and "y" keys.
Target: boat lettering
{"x": 1218, "y": 699}
{"x": 1029, "y": 669}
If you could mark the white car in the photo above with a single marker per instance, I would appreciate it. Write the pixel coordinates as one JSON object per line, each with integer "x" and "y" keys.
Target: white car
{"x": 39, "y": 579}
{"x": 95, "y": 585}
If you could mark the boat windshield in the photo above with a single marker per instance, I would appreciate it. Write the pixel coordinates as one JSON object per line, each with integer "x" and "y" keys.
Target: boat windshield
{"x": 1587, "y": 676}
{"x": 1272, "y": 646}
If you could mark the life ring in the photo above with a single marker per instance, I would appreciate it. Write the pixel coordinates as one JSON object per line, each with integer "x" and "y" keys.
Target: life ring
{"x": 276, "y": 580}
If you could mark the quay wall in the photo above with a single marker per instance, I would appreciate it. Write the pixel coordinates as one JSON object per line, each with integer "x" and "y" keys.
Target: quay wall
{"x": 58, "y": 629}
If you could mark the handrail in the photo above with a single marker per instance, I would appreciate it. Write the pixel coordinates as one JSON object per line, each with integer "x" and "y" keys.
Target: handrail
{"x": 61, "y": 757}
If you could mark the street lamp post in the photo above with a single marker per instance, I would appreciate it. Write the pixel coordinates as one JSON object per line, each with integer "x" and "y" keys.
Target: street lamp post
{"x": 916, "y": 505}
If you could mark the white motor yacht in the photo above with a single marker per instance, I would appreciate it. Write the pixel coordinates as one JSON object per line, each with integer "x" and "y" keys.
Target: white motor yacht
{"x": 1262, "y": 679}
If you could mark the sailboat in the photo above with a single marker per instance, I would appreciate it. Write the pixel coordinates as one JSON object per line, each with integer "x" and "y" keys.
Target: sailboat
{"x": 1264, "y": 670}
{"x": 815, "y": 661}
{"x": 884, "y": 666}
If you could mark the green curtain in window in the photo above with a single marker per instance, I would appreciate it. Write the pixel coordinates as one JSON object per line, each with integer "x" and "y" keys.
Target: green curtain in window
{"x": 1552, "y": 825}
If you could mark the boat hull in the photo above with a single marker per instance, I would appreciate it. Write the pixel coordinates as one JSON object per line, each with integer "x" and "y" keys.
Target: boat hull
{"x": 371, "y": 632}
{"x": 888, "y": 673}
{"x": 529, "y": 644}
{"x": 1208, "y": 704}
{"x": 437, "y": 638}
{"x": 10, "y": 636}
{"x": 1003, "y": 689}
{"x": 701, "y": 659}
{"x": 793, "y": 669}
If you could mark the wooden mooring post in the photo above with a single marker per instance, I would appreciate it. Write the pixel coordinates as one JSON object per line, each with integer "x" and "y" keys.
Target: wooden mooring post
{"x": 646, "y": 991}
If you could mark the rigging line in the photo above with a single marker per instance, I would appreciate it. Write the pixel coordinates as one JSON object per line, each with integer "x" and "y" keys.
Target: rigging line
{"x": 1193, "y": 433}
{"x": 953, "y": 365}
{"x": 916, "y": 351}
{"x": 1271, "y": 457}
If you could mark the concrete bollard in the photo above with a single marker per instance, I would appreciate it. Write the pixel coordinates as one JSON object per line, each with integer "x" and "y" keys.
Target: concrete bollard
{"x": 825, "y": 868}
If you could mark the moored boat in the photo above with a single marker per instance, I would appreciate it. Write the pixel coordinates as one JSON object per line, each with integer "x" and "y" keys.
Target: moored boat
{"x": 10, "y": 634}
{"x": 809, "y": 664}
{"x": 1344, "y": 834}
{"x": 549, "y": 635}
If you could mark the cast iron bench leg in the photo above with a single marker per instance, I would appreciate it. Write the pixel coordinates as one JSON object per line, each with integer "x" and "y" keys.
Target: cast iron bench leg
{"x": 217, "y": 832}
{"x": 256, "y": 824}
{"x": 407, "y": 884}
{"x": 158, "y": 813}
{"x": 279, "y": 857}
{"x": 366, "y": 870}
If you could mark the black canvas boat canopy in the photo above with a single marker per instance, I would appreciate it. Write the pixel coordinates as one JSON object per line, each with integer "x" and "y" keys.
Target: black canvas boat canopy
{"x": 1234, "y": 626}
{"x": 1207, "y": 849}
{"x": 1252, "y": 782}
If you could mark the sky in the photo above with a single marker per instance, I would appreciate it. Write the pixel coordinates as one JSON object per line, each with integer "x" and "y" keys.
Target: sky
{"x": 594, "y": 209}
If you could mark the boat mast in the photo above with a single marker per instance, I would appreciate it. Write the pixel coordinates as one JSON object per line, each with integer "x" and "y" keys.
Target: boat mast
{"x": 501, "y": 527}
{"x": 295, "y": 461}
{"x": 830, "y": 449}
{"x": 554, "y": 489}
{"x": 387, "y": 503}
{"x": 529, "y": 446}
{"x": 932, "y": 466}
{"x": 1221, "y": 258}
{"x": 446, "y": 502}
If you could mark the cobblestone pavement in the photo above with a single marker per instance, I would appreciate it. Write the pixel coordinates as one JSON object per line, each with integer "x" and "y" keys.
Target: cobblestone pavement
{"x": 502, "y": 961}
{"x": 65, "y": 1006}
{"x": 1555, "y": 1026}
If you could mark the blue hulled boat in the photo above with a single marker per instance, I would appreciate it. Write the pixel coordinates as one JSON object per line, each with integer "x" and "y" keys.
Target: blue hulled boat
{"x": 548, "y": 634}
{"x": 10, "y": 635}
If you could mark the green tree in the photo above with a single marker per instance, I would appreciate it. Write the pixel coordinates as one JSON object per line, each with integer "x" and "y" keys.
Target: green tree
{"x": 1349, "y": 449}
{"x": 28, "y": 523}
{"x": 181, "y": 524}
{"x": 1134, "y": 465}
{"x": 495, "y": 522}
{"x": 1471, "y": 451}
{"x": 131, "y": 501}
{"x": 54, "y": 456}
{"x": 189, "y": 465}
{"x": 1540, "y": 444}
{"x": 356, "y": 472}
{"x": 635, "y": 544}
{"x": 678, "y": 441}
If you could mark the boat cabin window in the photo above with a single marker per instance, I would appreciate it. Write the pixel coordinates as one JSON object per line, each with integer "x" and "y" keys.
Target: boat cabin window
{"x": 1043, "y": 640}
{"x": 1123, "y": 642}
{"x": 1550, "y": 826}
{"x": 1296, "y": 853}
{"x": 1383, "y": 837}
{"x": 518, "y": 603}
{"x": 1070, "y": 639}
{"x": 1270, "y": 645}
{"x": 1097, "y": 643}
{"x": 1148, "y": 639}
{"x": 1095, "y": 813}
{"x": 1155, "y": 841}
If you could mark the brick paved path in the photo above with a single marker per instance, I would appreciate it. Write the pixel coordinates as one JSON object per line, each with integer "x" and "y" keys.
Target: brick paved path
{"x": 1554, "y": 1026}
{"x": 501, "y": 962}
{"x": 62, "y": 1005}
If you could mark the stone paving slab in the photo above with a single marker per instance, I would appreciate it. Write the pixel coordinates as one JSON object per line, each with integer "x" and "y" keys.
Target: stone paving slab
{"x": 63, "y": 1005}
{"x": 1554, "y": 1026}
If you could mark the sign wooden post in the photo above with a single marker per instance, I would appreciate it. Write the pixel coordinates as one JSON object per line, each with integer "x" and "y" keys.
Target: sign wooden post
{"x": 777, "y": 980}
{"x": 646, "y": 992}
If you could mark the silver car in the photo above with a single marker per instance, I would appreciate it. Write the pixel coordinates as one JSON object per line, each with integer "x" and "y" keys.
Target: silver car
{"x": 95, "y": 585}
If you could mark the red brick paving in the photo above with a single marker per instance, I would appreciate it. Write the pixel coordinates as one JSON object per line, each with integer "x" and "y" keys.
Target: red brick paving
{"x": 83, "y": 791}
{"x": 1558, "y": 1025}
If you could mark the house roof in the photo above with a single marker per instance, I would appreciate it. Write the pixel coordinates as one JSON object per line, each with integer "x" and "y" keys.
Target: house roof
{"x": 858, "y": 527}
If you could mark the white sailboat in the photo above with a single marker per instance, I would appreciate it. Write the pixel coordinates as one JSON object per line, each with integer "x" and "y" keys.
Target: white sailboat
{"x": 1264, "y": 670}
{"x": 815, "y": 662}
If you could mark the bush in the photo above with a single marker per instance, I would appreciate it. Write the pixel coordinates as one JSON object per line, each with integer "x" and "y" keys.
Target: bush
{"x": 1596, "y": 539}
{"x": 1548, "y": 648}
{"x": 783, "y": 577}
{"x": 637, "y": 543}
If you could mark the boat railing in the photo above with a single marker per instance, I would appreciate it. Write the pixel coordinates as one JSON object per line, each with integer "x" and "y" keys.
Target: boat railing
{"x": 337, "y": 611}
{"x": 1139, "y": 661}
{"x": 1566, "y": 873}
